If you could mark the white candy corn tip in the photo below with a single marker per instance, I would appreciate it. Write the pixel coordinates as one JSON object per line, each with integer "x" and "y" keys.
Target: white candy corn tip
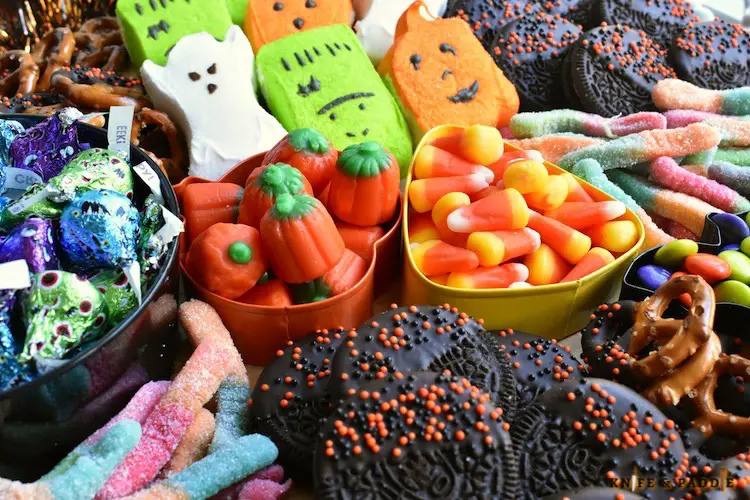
{"x": 520, "y": 270}
{"x": 488, "y": 174}
{"x": 534, "y": 237}
{"x": 535, "y": 155}
{"x": 478, "y": 181}
{"x": 457, "y": 222}
{"x": 521, "y": 284}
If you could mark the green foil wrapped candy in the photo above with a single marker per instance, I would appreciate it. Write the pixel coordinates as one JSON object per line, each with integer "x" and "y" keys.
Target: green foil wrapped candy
{"x": 94, "y": 168}
{"x": 61, "y": 311}
{"x": 28, "y": 204}
{"x": 118, "y": 294}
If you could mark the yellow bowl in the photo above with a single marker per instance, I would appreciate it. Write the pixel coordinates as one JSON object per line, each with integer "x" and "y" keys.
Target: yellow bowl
{"x": 551, "y": 311}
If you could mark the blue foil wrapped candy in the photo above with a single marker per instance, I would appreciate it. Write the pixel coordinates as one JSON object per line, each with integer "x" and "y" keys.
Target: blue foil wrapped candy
{"x": 12, "y": 372}
{"x": 100, "y": 229}
{"x": 9, "y": 129}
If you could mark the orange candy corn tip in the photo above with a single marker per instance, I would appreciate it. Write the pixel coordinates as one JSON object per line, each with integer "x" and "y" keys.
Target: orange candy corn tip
{"x": 505, "y": 210}
{"x": 596, "y": 259}
{"x": 424, "y": 193}
{"x": 496, "y": 247}
{"x": 434, "y": 162}
{"x": 437, "y": 257}
{"x": 572, "y": 245}
{"x": 580, "y": 215}
{"x": 489, "y": 277}
{"x": 421, "y": 229}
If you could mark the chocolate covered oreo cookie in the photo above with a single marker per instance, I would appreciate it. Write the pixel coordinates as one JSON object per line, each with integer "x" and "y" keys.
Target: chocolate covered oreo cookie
{"x": 713, "y": 55}
{"x": 614, "y": 68}
{"x": 291, "y": 398}
{"x": 485, "y": 17}
{"x": 425, "y": 436}
{"x": 659, "y": 19}
{"x": 531, "y": 51}
{"x": 424, "y": 338}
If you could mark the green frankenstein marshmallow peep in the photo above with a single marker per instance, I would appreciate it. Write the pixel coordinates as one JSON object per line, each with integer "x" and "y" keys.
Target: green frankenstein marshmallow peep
{"x": 322, "y": 79}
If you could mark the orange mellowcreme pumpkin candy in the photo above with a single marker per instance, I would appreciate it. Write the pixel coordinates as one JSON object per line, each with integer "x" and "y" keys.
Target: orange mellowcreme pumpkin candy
{"x": 264, "y": 185}
{"x": 365, "y": 186}
{"x": 302, "y": 241}
{"x": 440, "y": 74}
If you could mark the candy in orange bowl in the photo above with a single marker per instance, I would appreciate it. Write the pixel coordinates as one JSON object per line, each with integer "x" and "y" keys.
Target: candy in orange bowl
{"x": 266, "y": 184}
{"x": 308, "y": 151}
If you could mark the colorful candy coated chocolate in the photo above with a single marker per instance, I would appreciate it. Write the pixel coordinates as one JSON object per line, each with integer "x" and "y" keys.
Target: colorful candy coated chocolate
{"x": 580, "y": 215}
{"x": 745, "y": 246}
{"x": 572, "y": 245}
{"x": 652, "y": 277}
{"x": 527, "y": 176}
{"x": 731, "y": 246}
{"x": 740, "y": 264}
{"x": 481, "y": 144}
{"x": 33, "y": 241}
{"x": 48, "y": 146}
{"x": 424, "y": 193}
{"x": 61, "y": 311}
{"x": 437, "y": 257}
{"x": 733, "y": 291}
{"x": 546, "y": 266}
{"x": 421, "y": 228}
{"x": 440, "y": 212}
{"x": 496, "y": 247}
{"x": 92, "y": 169}
{"x": 554, "y": 194}
{"x": 596, "y": 259}
{"x": 733, "y": 228}
{"x": 489, "y": 277}
{"x": 674, "y": 253}
{"x": 709, "y": 267}
{"x": 434, "y": 162}
{"x": 505, "y": 210}
{"x": 100, "y": 229}
{"x": 616, "y": 236}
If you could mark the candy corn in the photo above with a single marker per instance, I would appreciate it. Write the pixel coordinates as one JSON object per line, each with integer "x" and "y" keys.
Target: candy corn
{"x": 616, "y": 236}
{"x": 441, "y": 279}
{"x": 508, "y": 157}
{"x": 527, "y": 176}
{"x": 572, "y": 245}
{"x": 481, "y": 144}
{"x": 552, "y": 196}
{"x": 440, "y": 212}
{"x": 496, "y": 247}
{"x": 424, "y": 193}
{"x": 437, "y": 257}
{"x": 484, "y": 193}
{"x": 450, "y": 143}
{"x": 421, "y": 228}
{"x": 501, "y": 211}
{"x": 596, "y": 259}
{"x": 546, "y": 266}
{"x": 579, "y": 215}
{"x": 434, "y": 162}
{"x": 489, "y": 277}
{"x": 576, "y": 191}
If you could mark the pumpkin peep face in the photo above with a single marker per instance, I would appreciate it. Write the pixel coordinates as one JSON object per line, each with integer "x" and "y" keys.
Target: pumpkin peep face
{"x": 100, "y": 229}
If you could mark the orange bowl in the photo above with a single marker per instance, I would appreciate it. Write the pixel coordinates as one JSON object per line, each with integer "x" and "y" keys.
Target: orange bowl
{"x": 259, "y": 331}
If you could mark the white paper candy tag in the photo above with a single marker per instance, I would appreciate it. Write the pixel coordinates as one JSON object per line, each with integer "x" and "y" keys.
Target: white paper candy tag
{"x": 14, "y": 275}
{"x": 118, "y": 131}
{"x": 133, "y": 273}
{"x": 147, "y": 175}
{"x": 20, "y": 178}
{"x": 172, "y": 228}
{"x": 21, "y": 205}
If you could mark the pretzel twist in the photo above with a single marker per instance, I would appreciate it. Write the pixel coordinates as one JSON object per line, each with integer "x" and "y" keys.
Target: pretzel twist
{"x": 679, "y": 340}
{"x": 53, "y": 52}
{"x": 97, "y": 94}
{"x": 100, "y": 45}
{"x": 174, "y": 165}
{"x": 19, "y": 73}
{"x": 711, "y": 419}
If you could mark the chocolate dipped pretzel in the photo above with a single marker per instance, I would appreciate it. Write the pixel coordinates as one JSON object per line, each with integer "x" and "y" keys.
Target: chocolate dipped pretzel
{"x": 173, "y": 165}
{"x": 53, "y": 52}
{"x": 18, "y": 73}
{"x": 711, "y": 419}
{"x": 93, "y": 88}
{"x": 37, "y": 103}
{"x": 100, "y": 45}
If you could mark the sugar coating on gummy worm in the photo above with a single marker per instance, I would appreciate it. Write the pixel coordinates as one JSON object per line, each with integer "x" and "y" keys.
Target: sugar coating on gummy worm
{"x": 414, "y": 441}
{"x": 553, "y": 147}
{"x": 560, "y": 121}
{"x": 677, "y": 94}
{"x": 732, "y": 176}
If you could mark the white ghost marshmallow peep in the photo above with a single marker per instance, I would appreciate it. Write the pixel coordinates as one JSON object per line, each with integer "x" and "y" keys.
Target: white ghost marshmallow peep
{"x": 208, "y": 87}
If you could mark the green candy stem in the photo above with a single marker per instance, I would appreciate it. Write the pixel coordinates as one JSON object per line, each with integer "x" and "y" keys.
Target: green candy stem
{"x": 293, "y": 206}
{"x": 368, "y": 159}
{"x": 308, "y": 140}
{"x": 279, "y": 179}
{"x": 240, "y": 252}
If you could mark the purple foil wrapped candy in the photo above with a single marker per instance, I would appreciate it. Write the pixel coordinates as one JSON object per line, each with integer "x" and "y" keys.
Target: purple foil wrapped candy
{"x": 32, "y": 241}
{"x": 48, "y": 146}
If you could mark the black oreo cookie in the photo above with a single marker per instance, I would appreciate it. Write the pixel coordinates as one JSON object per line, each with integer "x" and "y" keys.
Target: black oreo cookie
{"x": 421, "y": 436}
{"x": 614, "y": 68}
{"x": 595, "y": 433}
{"x": 538, "y": 364}
{"x": 485, "y": 17}
{"x": 659, "y": 19}
{"x": 291, "y": 399}
{"x": 713, "y": 55}
{"x": 531, "y": 51}
{"x": 577, "y": 11}
{"x": 424, "y": 338}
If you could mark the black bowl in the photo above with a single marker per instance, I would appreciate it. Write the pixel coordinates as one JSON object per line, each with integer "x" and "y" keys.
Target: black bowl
{"x": 44, "y": 419}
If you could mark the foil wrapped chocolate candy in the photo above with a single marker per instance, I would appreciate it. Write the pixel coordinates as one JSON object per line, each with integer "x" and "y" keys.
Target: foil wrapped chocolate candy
{"x": 9, "y": 129}
{"x": 12, "y": 372}
{"x": 118, "y": 294}
{"x": 61, "y": 311}
{"x": 33, "y": 241}
{"x": 48, "y": 146}
{"x": 89, "y": 170}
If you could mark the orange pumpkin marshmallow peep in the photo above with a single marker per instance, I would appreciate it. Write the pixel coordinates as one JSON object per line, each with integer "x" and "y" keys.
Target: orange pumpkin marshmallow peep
{"x": 269, "y": 20}
{"x": 302, "y": 241}
{"x": 440, "y": 74}
{"x": 308, "y": 151}
{"x": 227, "y": 259}
{"x": 365, "y": 186}
{"x": 264, "y": 185}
